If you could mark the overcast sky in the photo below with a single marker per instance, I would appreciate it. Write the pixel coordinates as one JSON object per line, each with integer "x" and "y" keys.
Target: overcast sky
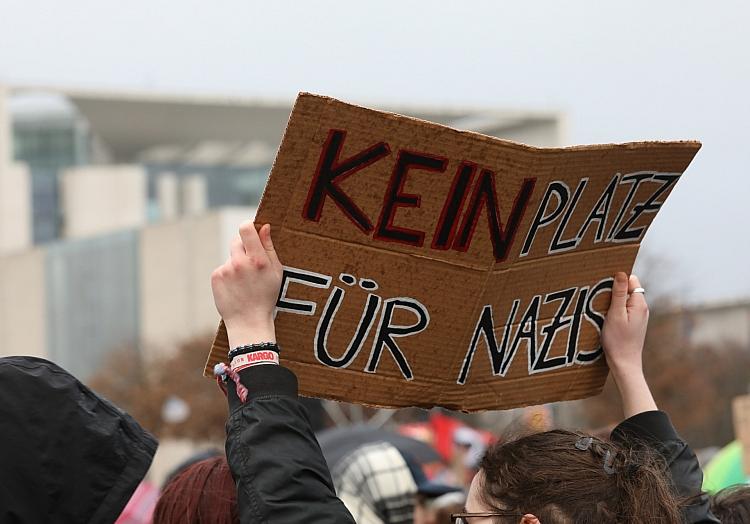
{"x": 620, "y": 71}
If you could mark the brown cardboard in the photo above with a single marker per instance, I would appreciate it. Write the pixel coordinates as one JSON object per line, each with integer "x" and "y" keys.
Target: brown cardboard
{"x": 458, "y": 276}
{"x": 741, "y": 415}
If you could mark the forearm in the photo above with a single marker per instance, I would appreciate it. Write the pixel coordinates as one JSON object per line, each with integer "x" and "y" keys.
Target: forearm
{"x": 276, "y": 462}
{"x": 634, "y": 392}
{"x": 244, "y": 333}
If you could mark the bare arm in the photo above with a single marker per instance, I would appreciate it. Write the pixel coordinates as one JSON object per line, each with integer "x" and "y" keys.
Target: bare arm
{"x": 622, "y": 337}
{"x": 276, "y": 461}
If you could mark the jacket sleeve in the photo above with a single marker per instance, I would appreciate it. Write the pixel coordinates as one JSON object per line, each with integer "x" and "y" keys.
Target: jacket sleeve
{"x": 655, "y": 429}
{"x": 276, "y": 462}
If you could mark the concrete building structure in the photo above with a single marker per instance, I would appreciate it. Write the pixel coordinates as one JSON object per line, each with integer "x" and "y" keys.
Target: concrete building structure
{"x": 102, "y": 199}
{"x": 15, "y": 208}
{"x": 217, "y": 151}
{"x": 15, "y": 205}
{"x": 6, "y": 137}
{"x": 23, "y": 304}
{"x": 719, "y": 325}
{"x": 145, "y": 290}
{"x": 175, "y": 263}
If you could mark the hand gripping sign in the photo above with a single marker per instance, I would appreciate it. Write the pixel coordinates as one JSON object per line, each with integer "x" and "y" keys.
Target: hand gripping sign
{"x": 426, "y": 266}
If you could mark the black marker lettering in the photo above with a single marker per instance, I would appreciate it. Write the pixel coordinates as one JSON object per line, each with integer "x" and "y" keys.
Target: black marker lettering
{"x": 560, "y": 191}
{"x": 575, "y": 327}
{"x": 565, "y": 245}
{"x": 367, "y": 284}
{"x": 596, "y": 319}
{"x": 331, "y": 171}
{"x": 394, "y": 197}
{"x": 649, "y": 206}
{"x": 600, "y": 212}
{"x": 324, "y": 328}
{"x": 446, "y": 228}
{"x": 636, "y": 179}
{"x": 559, "y": 321}
{"x": 486, "y": 327}
{"x": 485, "y": 195}
{"x": 386, "y": 332}
{"x": 307, "y": 278}
{"x": 526, "y": 330}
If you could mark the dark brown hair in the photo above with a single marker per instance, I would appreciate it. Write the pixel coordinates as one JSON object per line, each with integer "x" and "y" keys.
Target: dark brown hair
{"x": 732, "y": 504}
{"x": 203, "y": 492}
{"x": 570, "y": 478}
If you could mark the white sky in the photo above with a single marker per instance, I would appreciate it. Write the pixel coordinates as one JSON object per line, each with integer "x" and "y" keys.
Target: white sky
{"x": 621, "y": 71}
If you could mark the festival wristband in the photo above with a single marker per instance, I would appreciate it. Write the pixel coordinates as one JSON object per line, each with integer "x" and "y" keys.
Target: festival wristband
{"x": 254, "y": 358}
{"x": 239, "y": 350}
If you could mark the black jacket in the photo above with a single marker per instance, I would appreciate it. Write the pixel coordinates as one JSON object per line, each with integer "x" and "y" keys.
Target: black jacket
{"x": 654, "y": 429}
{"x": 276, "y": 461}
{"x": 66, "y": 454}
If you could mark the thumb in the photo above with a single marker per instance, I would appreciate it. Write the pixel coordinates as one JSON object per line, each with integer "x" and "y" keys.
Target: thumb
{"x": 265, "y": 239}
{"x": 619, "y": 293}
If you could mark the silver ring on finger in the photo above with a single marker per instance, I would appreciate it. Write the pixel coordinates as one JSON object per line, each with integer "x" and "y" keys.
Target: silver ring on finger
{"x": 639, "y": 290}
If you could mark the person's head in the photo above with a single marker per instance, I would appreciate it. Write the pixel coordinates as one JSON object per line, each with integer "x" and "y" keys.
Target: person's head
{"x": 732, "y": 505}
{"x": 203, "y": 492}
{"x": 561, "y": 477}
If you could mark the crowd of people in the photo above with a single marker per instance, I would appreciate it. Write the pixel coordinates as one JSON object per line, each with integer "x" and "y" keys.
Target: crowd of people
{"x": 71, "y": 456}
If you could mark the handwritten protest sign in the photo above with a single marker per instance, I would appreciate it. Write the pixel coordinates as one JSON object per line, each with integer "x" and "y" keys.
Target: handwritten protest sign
{"x": 428, "y": 266}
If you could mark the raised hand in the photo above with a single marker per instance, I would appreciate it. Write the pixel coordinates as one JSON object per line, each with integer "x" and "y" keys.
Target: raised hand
{"x": 246, "y": 286}
{"x": 623, "y": 336}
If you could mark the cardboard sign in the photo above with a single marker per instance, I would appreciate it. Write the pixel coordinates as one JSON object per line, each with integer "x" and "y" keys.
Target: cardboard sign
{"x": 427, "y": 266}
{"x": 741, "y": 415}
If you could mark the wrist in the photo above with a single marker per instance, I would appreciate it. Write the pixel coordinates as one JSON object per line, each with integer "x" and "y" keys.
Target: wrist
{"x": 243, "y": 357}
{"x": 242, "y": 334}
{"x": 627, "y": 370}
{"x": 635, "y": 394}
{"x": 629, "y": 379}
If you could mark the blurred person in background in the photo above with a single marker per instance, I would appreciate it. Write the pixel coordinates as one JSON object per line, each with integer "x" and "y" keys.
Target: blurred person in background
{"x": 468, "y": 449}
{"x": 381, "y": 485}
{"x": 732, "y": 505}
{"x": 646, "y": 473}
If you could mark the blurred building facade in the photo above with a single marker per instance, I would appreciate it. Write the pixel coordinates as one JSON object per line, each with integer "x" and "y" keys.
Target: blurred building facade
{"x": 721, "y": 324}
{"x": 115, "y": 208}
{"x": 144, "y": 289}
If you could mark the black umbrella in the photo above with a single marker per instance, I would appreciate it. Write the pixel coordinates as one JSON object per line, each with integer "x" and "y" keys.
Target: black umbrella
{"x": 337, "y": 443}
